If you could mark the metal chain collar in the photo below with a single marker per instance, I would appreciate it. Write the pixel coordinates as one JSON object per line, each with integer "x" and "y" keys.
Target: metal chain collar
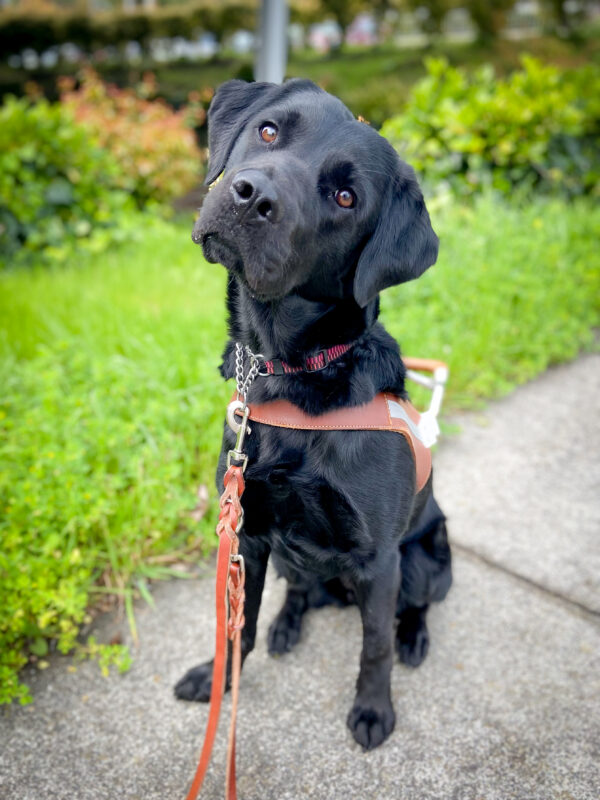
{"x": 242, "y": 383}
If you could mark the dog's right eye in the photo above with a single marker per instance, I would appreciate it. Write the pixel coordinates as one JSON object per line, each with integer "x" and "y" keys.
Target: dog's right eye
{"x": 268, "y": 133}
{"x": 345, "y": 198}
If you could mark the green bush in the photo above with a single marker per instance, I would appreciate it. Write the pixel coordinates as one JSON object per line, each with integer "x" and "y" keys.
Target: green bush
{"x": 57, "y": 186}
{"x": 537, "y": 129}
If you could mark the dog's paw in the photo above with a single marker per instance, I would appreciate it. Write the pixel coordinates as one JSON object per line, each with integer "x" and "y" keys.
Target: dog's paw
{"x": 371, "y": 726}
{"x": 412, "y": 640}
{"x": 196, "y": 684}
{"x": 284, "y": 633}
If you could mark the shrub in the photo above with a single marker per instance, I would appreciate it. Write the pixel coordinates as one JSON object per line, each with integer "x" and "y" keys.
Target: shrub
{"x": 58, "y": 187}
{"x": 539, "y": 128}
{"x": 154, "y": 145}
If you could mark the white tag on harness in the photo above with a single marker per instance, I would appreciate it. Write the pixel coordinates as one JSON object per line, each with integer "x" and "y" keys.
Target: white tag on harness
{"x": 427, "y": 430}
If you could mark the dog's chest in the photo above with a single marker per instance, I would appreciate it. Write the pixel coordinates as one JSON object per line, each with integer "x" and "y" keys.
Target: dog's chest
{"x": 316, "y": 496}
{"x": 311, "y": 527}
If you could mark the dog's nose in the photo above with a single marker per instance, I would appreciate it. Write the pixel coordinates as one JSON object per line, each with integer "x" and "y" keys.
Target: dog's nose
{"x": 254, "y": 193}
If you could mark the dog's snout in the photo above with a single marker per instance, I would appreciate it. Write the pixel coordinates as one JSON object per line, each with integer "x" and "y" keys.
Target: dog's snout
{"x": 254, "y": 194}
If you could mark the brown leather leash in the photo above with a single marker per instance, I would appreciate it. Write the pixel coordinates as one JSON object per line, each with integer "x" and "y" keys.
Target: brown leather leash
{"x": 383, "y": 413}
{"x": 229, "y": 601}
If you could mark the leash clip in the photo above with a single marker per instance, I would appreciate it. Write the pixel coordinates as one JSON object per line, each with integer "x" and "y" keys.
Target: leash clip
{"x": 232, "y": 409}
{"x": 240, "y": 429}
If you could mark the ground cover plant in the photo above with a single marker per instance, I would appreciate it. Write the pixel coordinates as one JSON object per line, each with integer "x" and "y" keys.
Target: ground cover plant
{"x": 515, "y": 290}
{"x": 112, "y": 406}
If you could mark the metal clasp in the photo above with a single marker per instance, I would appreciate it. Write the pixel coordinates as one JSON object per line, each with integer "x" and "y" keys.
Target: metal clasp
{"x": 237, "y": 558}
{"x": 240, "y": 429}
{"x": 262, "y": 367}
{"x": 234, "y": 406}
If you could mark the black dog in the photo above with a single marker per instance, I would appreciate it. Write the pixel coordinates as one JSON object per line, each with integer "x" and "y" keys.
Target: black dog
{"x": 315, "y": 214}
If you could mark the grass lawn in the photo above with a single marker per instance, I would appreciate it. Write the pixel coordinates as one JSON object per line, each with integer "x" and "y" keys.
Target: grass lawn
{"x": 112, "y": 407}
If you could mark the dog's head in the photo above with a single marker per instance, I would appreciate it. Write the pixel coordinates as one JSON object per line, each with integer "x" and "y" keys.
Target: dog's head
{"x": 310, "y": 200}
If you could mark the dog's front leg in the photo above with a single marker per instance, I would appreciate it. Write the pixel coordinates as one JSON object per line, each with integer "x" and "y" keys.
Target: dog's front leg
{"x": 197, "y": 682}
{"x": 372, "y": 717}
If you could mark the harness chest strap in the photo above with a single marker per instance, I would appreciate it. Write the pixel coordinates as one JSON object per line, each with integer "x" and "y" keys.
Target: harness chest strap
{"x": 384, "y": 413}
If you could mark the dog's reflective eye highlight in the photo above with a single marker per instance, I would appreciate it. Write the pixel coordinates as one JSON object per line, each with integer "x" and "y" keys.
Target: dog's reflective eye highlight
{"x": 345, "y": 198}
{"x": 268, "y": 133}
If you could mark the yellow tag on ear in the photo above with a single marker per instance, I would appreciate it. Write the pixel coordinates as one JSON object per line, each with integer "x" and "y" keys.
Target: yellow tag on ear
{"x": 216, "y": 180}
{"x": 362, "y": 119}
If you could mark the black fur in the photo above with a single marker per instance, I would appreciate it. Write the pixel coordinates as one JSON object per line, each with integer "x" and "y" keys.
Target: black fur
{"x": 336, "y": 510}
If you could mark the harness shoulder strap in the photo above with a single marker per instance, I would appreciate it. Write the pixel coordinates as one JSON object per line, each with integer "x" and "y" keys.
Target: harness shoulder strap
{"x": 384, "y": 413}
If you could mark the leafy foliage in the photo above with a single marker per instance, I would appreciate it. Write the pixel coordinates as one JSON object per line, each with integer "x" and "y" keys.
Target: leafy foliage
{"x": 154, "y": 145}
{"x": 58, "y": 187}
{"x": 539, "y": 128}
{"x": 72, "y": 174}
{"x": 112, "y": 408}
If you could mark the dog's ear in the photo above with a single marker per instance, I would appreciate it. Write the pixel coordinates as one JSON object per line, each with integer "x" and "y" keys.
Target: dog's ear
{"x": 403, "y": 244}
{"x": 229, "y": 111}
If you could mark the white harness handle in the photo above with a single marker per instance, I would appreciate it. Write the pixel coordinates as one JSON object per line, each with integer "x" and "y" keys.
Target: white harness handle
{"x": 429, "y": 428}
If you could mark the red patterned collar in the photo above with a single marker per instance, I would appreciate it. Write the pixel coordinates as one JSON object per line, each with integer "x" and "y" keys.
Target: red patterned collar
{"x": 314, "y": 363}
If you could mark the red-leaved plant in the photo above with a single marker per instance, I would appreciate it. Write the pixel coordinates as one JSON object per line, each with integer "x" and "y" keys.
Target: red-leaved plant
{"x": 154, "y": 145}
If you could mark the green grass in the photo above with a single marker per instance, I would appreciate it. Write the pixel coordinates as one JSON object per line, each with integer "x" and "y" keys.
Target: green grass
{"x": 515, "y": 290}
{"x": 112, "y": 406}
{"x": 111, "y": 416}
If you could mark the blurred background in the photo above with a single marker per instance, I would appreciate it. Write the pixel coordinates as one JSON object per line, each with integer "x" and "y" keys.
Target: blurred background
{"x": 111, "y": 323}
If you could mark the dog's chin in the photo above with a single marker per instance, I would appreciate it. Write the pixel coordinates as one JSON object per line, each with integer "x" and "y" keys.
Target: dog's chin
{"x": 264, "y": 294}
{"x": 262, "y": 283}
{"x": 218, "y": 250}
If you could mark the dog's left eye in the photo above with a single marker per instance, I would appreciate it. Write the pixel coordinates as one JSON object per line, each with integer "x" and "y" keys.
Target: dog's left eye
{"x": 345, "y": 198}
{"x": 268, "y": 133}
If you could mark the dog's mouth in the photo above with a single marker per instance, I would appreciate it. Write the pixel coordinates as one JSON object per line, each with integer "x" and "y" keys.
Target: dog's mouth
{"x": 265, "y": 284}
{"x": 218, "y": 249}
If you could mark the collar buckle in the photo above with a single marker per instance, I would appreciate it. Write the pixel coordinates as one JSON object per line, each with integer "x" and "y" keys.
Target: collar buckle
{"x": 317, "y": 362}
{"x": 272, "y": 366}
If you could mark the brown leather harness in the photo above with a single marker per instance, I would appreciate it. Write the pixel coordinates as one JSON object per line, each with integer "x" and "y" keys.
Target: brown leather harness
{"x": 384, "y": 413}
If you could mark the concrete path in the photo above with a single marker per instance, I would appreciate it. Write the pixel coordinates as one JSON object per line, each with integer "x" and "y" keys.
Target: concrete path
{"x": 507, "y": 704}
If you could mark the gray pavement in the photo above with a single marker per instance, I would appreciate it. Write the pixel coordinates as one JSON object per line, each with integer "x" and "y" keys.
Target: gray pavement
{"x": 507, "y": 704}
